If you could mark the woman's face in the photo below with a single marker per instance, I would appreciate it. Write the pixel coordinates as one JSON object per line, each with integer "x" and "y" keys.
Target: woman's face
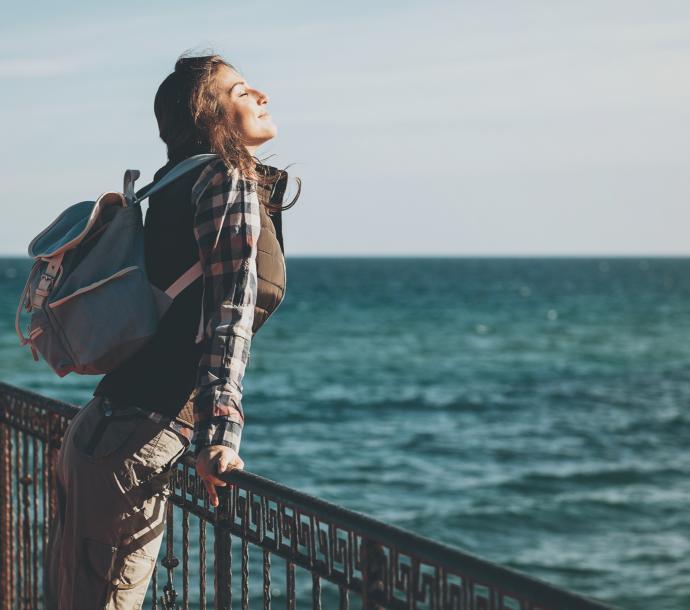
{"x": 246, "y": 108}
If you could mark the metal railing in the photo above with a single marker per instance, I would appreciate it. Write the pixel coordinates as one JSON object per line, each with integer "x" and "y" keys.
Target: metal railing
{"x": 308, "y": 551}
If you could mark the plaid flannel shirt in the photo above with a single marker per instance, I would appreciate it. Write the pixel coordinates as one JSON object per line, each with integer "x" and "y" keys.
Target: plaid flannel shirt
{"x": 227, "y": 223}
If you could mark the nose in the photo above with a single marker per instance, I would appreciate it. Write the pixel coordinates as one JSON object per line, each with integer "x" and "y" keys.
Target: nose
{"x": 263, "y": 97}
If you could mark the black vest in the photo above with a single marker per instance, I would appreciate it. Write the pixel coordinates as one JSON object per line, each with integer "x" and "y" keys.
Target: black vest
{"x": 161, "y": 376}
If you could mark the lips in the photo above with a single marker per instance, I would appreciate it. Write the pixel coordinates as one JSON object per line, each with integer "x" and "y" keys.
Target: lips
{"x": 265, "y": 114}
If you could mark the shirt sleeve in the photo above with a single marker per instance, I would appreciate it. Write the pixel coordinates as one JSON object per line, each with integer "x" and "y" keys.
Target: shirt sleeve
{"x": 227, "y": 223}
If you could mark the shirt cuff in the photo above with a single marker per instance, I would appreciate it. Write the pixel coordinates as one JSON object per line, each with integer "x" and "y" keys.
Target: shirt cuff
{"x": 220, "y": 431}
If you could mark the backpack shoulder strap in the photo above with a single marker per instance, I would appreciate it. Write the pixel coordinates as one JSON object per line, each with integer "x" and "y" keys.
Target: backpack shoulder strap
{"x": 184, "y": 280}
{"x": 176, "y": 172}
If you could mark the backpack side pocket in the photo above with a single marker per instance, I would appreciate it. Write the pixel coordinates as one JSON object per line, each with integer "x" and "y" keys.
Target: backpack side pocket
{"x": 46, "y": 337}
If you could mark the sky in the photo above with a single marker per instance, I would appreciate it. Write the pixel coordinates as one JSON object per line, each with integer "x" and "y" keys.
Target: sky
{"x": 493, "y": 128}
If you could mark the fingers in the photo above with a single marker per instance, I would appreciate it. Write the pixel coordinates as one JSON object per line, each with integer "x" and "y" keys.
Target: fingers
{"x": 211, "y": 463}
{"x": 218, "y": 465}
{"x": 210, "y": 481}
{"x": 215, "y": 480}
{"x": 223, "y": 465}
{"x": 211, "y": 490}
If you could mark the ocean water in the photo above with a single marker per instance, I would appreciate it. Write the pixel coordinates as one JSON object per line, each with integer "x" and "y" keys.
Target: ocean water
{"x": 534, "y": 412}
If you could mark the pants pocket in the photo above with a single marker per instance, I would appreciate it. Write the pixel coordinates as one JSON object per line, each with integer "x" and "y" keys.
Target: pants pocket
{"x": 132, "y": 580}
{"x": 152, "y": 460}
{"x": 111, "y": 578}
{"x": 98, "y": 434}
{"x": 94, "y": 574}
{"x": 135, "y": 571}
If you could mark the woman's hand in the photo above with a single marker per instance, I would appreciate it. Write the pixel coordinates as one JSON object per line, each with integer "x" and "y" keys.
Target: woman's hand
{"x": 213, "y": 460}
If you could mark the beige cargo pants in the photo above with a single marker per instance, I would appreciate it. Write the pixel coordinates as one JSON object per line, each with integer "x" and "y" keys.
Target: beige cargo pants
{"x": 112, "y": 488}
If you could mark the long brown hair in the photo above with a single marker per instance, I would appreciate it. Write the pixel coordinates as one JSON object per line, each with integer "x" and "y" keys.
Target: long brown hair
{"x": 191, "y": 120}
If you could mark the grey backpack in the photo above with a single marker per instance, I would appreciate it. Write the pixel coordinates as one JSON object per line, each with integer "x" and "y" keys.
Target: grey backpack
{"x": 92, "y": 305}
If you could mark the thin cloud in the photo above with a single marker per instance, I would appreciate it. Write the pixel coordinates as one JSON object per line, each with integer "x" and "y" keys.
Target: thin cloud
{"x": 41, "y": 66}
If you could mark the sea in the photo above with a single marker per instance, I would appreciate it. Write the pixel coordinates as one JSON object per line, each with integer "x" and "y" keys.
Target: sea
{"x": 532, "y": 411}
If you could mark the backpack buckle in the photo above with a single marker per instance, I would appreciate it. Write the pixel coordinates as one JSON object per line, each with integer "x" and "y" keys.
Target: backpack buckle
{"x": 48, "y": 278}
{"x": 43, "y": 289}
{"x": 131, "y": 176}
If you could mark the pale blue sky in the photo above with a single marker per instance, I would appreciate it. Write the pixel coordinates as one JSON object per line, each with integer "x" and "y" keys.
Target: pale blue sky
{"x": 469, "y": 128}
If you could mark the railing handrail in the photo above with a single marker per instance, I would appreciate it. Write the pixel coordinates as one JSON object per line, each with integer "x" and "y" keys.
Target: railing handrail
{"x": 429, "y": 551}
{"x": 426, "y": 549}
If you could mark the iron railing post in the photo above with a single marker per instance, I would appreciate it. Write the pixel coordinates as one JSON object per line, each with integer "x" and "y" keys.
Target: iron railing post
{"x": 6, "y": 538}
{"x": 222, "y": 564}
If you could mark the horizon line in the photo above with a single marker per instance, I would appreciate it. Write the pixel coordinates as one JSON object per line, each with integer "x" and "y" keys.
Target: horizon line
{"x": 443, "y": 255}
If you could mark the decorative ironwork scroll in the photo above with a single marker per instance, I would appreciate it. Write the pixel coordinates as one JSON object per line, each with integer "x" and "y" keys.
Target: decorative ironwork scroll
{"x": 334, "y": 553}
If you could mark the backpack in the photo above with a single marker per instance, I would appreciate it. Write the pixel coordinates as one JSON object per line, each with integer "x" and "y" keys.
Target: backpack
{"x": 92, "y": 305}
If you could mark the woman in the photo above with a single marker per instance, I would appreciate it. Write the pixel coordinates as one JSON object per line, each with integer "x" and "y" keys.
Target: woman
{"x": 185, "y": 385}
